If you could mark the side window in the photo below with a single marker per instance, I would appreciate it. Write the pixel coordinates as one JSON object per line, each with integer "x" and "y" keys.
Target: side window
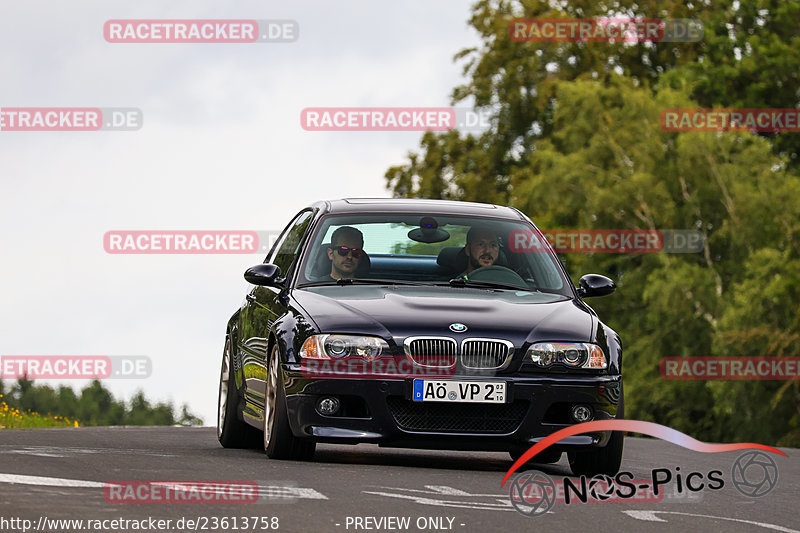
{"x": 288, "y": 247}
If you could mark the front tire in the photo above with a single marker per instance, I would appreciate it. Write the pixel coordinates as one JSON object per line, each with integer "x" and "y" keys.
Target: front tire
{"x": 279, "y": 442}
{"x": 606, "y": 460}
{"x": 231, "y": 431}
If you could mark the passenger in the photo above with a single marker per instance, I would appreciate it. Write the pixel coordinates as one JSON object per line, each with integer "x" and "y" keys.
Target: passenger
{"x": 345, "y": 251}
{"x": 482, "y": 248}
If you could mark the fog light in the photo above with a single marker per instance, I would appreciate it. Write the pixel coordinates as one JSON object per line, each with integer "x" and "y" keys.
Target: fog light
{"x": 328, "y": 406}
{"x": 581, "y": 413}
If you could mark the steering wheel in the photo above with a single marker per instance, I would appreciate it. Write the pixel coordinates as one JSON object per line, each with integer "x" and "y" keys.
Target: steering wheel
{"x": 498, "y": 274}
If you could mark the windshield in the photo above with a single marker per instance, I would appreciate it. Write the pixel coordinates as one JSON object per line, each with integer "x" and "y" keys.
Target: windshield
{"x": 428, "y": 249}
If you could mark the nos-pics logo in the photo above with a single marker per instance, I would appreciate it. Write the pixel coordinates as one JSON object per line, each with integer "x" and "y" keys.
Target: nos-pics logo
{"x": 754, "y": 474}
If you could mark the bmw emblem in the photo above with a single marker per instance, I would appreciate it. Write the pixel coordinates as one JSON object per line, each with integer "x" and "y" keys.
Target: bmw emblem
{"x": 457, "y": 327}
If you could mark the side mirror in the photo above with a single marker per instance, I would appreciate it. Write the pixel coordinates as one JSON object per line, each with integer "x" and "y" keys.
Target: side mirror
{"x": 265, "y": 274}
{"x": 595, "y": 285}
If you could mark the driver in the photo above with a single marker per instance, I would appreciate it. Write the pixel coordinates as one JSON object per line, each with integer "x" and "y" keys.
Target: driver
{"x": 345, "y": 251}
{"x": 482, "y": 248}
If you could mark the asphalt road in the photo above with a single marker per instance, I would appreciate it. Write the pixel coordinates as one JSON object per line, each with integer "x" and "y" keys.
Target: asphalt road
{"x": 55, "y": 474}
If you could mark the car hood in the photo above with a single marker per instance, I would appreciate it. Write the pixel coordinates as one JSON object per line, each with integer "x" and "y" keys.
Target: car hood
{"x": 399, "y": 312}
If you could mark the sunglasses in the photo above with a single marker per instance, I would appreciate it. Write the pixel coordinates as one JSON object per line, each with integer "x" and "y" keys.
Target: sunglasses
{"x": 344, "y": 250}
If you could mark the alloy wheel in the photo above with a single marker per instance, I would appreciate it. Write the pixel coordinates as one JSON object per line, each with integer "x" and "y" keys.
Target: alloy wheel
{"x": 270, "y": 398}
{"x": 222, "y": 405}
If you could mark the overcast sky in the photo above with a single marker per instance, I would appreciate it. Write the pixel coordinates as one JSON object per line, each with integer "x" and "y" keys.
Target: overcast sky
{"x": 221, "y": 148}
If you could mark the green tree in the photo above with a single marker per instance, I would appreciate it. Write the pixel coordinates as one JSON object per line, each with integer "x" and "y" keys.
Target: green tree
{"x": 94, "y": 406}
{"x": 188, "y": 419}
{"x": 97, "y": 407}
{"x": 749, "y": 57}
{"x": 141, "y": 413}
{"x": 576, "y": 143}
{"x": 67, "y": 403}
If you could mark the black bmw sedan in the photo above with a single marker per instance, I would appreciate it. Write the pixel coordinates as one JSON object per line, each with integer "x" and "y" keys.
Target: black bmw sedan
{"x": 419, "y": 323}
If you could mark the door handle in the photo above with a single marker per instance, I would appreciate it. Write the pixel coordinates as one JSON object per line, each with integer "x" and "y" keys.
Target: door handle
{"x": 250, "y": 297}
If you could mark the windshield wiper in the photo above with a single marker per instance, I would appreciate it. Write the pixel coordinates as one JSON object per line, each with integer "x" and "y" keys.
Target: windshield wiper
{"x": 365, "y": 281}
{"x": 462, "y": 282}
{"x": 374, "y": 281}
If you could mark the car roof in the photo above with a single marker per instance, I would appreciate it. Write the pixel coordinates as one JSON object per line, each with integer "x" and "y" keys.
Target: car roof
{"x": 417, "y": 205}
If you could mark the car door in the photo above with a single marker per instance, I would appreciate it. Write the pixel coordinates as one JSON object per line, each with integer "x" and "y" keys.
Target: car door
{"x": 262, "y": 308}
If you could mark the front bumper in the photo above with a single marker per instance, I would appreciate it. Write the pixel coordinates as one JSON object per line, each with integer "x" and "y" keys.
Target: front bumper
{"x": 381, "y": 411}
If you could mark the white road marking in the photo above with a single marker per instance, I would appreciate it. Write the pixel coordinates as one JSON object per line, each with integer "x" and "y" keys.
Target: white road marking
{"x": 482, "y": 506}
{"x": 432, "y": 490}
{"x": 49, "y": 481}
{"x": 62, "y": 451}
{"x": 274, "y": 491}
{"x": 444, "y": 489}
{"x": 269, "y": 491}
{"x": 650, "y": 516}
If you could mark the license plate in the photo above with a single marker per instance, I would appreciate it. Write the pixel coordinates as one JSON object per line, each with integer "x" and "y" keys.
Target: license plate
{"x": 427, "y": 390}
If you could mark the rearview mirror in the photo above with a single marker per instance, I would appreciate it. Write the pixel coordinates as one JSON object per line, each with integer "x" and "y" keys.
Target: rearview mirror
{"x": 595, "y": 285}
{"x": 265, "y": 274}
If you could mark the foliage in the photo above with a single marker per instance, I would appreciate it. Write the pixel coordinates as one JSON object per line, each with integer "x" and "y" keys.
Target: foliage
{"x": 12, "y": 418}
{"x": 93, "y": 406}
{"x": 576, "y": 143}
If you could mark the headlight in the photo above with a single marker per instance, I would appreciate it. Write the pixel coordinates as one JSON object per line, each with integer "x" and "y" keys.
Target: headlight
{"x": 569, "y": 354}
{"x": 338, "y": 346}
